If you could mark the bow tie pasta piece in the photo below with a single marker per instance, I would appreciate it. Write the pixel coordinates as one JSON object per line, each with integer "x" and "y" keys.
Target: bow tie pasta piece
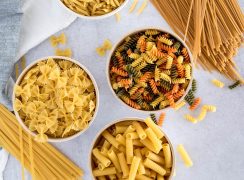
{"x": 42, "y": 138}
{"x": 18, "y": 104}
{"x": 54, "y": 74}
{"x": 69, "y": 106}
{"x": 56, "y": 40}
{"x": 61, "y": 82}
{"x": 65, "y": 65}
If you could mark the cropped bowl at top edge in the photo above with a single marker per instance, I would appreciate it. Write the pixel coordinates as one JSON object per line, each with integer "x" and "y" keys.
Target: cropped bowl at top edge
{"x": 129, "y": 119}
{"x": 141, "y": 30}
{"x": 90, "y": 76}
{"x": 94, "y": 17}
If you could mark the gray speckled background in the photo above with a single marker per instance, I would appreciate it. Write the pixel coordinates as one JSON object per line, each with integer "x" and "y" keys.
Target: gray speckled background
{"x": 216, "y": 144}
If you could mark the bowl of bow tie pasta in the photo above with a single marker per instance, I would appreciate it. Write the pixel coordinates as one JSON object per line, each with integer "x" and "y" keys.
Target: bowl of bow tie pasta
{"x": 55, "y": 99}
{"x": 93, "y": 9}
{"x": 132, "y": 148}
{"x": 150, "y": 70}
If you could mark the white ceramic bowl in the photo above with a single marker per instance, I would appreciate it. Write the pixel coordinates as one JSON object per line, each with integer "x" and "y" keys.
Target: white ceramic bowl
{"x": 130, "y": 119}
{"x": 81, "y": 66}
{"x": 134, "y": 32}
{"x": 95, "y": 17}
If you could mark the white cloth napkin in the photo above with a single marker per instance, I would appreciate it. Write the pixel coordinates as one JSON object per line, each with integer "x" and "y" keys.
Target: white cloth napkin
{"x": 41, "y": 19}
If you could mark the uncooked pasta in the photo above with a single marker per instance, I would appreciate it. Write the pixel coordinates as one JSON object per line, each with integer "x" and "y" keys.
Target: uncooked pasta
{"x": 212, "y": 29}
{"x": 42, "y": 160}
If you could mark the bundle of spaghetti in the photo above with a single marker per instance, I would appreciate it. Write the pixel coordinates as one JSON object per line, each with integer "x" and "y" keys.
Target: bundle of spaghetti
{"x": 213, "y": 30}
{"x": 42, "y": 160}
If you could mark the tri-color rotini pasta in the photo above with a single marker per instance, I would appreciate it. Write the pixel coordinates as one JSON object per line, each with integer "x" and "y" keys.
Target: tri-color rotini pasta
{"x": 157, "y": 66}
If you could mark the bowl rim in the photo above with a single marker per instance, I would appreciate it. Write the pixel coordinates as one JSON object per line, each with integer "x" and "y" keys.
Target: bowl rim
{"x": 141, "y": 30}
{"x": 130, "y": 119}
{"x": 23, "y": 73}
{"x": 95, "y": 17}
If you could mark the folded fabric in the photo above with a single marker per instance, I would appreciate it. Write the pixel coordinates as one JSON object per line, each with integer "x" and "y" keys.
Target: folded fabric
{"x": 9, "y": 7}
{"x": 10, "y": 18}
{"x": 3, "y": 161}
{"x": 41, "y": 19}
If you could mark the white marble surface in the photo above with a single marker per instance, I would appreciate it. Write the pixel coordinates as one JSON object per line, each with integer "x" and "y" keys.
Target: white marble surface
{"x": 216, "y": 145}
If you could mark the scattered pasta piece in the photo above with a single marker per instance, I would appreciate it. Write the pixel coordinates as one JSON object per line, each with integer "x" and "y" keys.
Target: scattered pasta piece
{"x": 236, "y": 84}
{"x": 190, "y": 118}
{"x": 107, "y": 45}
{"x": 202, "y": 114}
{"x": 210, "y": 108}
{"x": 118, "y": 17}
{"x": 133, "y": 6}
{"x": 195, "y": 104}
{"x": 100, "y": 51}
{"x": 153, "y": 117}
{"x": 56, "y": 40}
{"x": 66, "y": 52}
{"x": 204, "y": 110}
{"x": 161, "y": 118}
{"x": 218, "y": 83}
{"x": 143, "y": 6}
{"x": 184, "y": 155}
{"x": 180, "y": 105}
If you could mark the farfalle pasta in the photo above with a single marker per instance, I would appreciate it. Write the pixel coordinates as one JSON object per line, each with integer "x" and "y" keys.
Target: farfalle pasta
{"x": 56, "y": 99}
{"x": 156, "y": 66}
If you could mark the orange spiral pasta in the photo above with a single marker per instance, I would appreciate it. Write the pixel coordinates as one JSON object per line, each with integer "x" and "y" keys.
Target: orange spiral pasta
{"x": 153, "y": 86}
{"x": 119, "y": 72}
{"x": 195, "y": 104}
{"x": 179, "y": 94}
{"x": 148, "y": 97}
{"x": 170, "y": 97}
{"x": 125, "y": 82}
{"x": 175, "y": 88}
{"x": 180, "y": 70}
{"x": 120, "y": 61}
{"x": 185, "y": 54}
{"x": 129, "y": 51}
{"x": 167, "y": 48}
{"x": 145, "y": 77}
{"x": 161, "y": 118}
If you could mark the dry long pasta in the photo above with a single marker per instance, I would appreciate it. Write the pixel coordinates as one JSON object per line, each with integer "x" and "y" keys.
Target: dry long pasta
{"x": 143, "y": 152}
{"x": 212, "y": 29}
{"x": 43, "y": 161}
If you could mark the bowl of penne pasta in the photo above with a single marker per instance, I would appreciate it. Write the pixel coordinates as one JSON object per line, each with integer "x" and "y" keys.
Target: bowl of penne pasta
{"x": 93, "y": 9}
{"x": 55, "y": 99}
{"x": 150, "y": 70}
{"x": 132, "y": 148}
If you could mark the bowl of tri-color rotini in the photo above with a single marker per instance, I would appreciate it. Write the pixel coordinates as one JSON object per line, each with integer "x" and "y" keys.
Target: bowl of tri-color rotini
{"x": 55, "y": 99}
{"x": 94, "y": 9}
{"x": 150, "y": 70}
{"x": 132, "y": 148}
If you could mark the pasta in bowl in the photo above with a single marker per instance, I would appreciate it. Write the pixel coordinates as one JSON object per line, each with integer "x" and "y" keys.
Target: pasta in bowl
{"x": 150, "y": 70}
{"x": 131, "y": 149}
{"x": 55, "y": 99}
{"x": 94, "y": 9}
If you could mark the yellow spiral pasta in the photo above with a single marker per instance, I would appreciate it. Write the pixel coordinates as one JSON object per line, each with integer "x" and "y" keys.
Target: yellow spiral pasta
{"x": 218, "y": 83}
